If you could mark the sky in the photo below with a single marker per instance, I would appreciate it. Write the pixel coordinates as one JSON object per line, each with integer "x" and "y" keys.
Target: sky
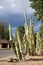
{"x": 12, "y": 12}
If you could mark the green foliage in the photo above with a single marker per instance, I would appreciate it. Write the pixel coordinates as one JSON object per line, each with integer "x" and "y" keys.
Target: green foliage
{"x": 21, "y": 30}
{"x": 4, "y": 33}
{"x": 38, "y": 6}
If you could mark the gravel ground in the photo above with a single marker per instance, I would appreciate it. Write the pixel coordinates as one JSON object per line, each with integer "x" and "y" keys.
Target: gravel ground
{"x": 30, "y": 60}
{"x": 23, "y": 63}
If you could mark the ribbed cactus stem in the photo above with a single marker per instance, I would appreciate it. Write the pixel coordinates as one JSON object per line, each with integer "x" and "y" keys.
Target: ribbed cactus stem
{"x": 24, "y": 41}
{"x": 10, "y": 35}
{"x": 17, "y": 52}
{"x": 19, "y": 42}
{"x": 31, "y": 36}
{"x": 38, "y": 42}
{"x": 10, "y": 32}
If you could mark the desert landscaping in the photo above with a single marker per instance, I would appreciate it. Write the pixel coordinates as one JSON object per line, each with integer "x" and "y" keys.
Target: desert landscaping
{"x": 29, "y": 60}
{"x": 21, "y": 32}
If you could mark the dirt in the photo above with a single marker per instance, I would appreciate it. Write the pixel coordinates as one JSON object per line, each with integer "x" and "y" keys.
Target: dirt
{"x": 29, "y": 60}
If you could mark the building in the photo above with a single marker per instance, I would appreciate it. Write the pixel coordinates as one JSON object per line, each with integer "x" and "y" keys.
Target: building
{"x": 4, "y": 43}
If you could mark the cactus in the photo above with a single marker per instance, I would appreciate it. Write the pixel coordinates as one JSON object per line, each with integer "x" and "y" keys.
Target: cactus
{"x": 24, "y": 46}
{"x": 10, "y": 35}
{"x": 16, "y": 49}
{"x": 10, "y": 32}
{"x": 31, "y": 38}
{"x": 29, "y": 33}
{"x": 38, "y": 42}
{"x": 24, "y": 39}
{"x": 19, "y": 38}
{"x": 19, "y": 41}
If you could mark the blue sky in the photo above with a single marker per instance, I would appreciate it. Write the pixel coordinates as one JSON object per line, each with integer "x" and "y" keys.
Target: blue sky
{"x": 12, "y": 11}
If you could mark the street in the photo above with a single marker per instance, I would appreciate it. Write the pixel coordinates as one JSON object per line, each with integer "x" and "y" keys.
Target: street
{"x": 5, "y": 53}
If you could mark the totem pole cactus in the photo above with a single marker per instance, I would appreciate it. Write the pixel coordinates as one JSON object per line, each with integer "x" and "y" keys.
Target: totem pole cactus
{"x": 20, "y": 44}
{"x": 17, "y": 49}
{"x": 38, "y": 43}
{"x": 10, "y": 35}
{"x": 19, "y": 41}
{"x": 26, "y": 30}
{"x": 31, "y": 41}
{"x": 41, "y": 35}
{"x": 24, "y": 46}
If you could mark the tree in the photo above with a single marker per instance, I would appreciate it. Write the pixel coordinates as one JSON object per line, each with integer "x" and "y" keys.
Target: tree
{"x": 4, "y": 33}
{"x": 38, "y": 6}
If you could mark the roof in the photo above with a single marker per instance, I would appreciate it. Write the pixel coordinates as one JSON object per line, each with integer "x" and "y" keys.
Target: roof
{"x": 4, "y": 41}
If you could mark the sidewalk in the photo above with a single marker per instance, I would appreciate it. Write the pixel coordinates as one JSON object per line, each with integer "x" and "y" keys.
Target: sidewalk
{"x": 7, "y": 58}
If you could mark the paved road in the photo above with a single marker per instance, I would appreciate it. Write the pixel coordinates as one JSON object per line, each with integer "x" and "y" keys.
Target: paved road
{"x": 5, "y": 53}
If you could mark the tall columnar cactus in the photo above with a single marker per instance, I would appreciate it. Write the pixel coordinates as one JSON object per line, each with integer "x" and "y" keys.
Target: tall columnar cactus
{"x": 38, "y": 42}
{"x": 17, "y": 50}
{"x": 19, "y": 39}
{"x": 19, "y": 43}
{"x": 10, "y": 35}
{"x": 10, "y": 32}
{"x": 31, "y": 41}
{"x": 41, "y": 35}
{"x": 16, "y": 47}
{"x": 24, "y": 48}
{"x": 20, "y": 46}
{"x": 29, "y": 33}
{"x": 26, "y": 29}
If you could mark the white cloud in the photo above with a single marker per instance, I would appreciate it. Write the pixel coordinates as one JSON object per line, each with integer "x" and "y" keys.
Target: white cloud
{"x": 10, "y": 4}
{"x": 30, "y": 10}
{"x": 1, "y": 7}
{"x": 13, "y": 5}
